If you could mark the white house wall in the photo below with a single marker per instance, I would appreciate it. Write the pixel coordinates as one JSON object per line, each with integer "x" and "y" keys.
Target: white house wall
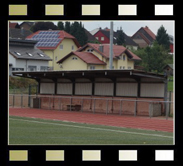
{"x": 12, "y": 60}
{"x": 21, "y": 63}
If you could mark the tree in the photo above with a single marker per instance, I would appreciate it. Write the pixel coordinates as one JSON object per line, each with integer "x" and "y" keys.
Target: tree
{"x": 162, "y": 38}
{"x": 77, "y": 30}
{"x": 121, "y": 37}
{"x": 154, "y": 58}
{"x": 74, "y": 28}
{"x": 60, "y": 25}
{"x": 94, "y": 41}
{"x": 43, "y": 26}
{"x": 67, "y": 27}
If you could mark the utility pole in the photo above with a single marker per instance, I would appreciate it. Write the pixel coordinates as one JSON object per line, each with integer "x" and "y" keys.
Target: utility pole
{"x": 111, "y": 47}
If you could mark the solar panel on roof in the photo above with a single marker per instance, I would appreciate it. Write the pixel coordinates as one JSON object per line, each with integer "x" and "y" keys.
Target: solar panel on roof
{"x": 47, "y": 38}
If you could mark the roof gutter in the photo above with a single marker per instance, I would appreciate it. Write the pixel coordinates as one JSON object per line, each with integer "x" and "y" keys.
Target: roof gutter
{"x": 145, "y": 75}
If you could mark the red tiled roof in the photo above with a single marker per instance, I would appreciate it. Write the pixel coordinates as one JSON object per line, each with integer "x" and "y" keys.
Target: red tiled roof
{"x": 87, "y": 57}
{"x": 134, "y": 56}
{"x": 117, "y": 50}
{"x": 12, "y": 24}
{"x": 150, "y": 32}
{"x": 64, "y": 34}
{"x": 145, "y": 38}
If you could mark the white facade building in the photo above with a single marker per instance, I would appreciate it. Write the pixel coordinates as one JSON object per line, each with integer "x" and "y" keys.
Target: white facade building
{"x": 24, "y": 56}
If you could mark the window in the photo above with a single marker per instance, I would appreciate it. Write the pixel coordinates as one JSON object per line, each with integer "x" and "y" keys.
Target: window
{"x": 17, "y": 69}
{"x": 72, "y": 47}
{"x": 43, "y": 68}
{"x": 92, "y": 67}
{"x": 122, "y": 67}
{"x": 102, "y": 38}
{"x": 40, "y": 54}
{"x": 96, "y": 38}
{"x": 61, "y": 47}
{"x": 124, "y": 57}
{"x": 29, "y": 54}
{"x": 74, "y": 58}
{"x": 129, "y": 67}
{"x": 90, "y": 50}
{"x": 32, "y": 68}
{"x": 17, "y": 53}
{"x": 56, "y": 58}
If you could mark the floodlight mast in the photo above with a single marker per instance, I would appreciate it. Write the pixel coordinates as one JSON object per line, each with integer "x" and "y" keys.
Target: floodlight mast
{"x": 111, "y": 47}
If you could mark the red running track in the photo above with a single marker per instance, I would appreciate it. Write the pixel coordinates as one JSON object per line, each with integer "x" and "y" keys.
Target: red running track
{"x": 159, "y": 124}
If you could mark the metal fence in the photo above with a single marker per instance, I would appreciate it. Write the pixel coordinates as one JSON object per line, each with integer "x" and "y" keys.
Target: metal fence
{"x": 93, "y": 104}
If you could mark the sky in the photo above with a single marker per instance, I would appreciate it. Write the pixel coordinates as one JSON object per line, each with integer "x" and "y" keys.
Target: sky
{"x": 129, "y": 27}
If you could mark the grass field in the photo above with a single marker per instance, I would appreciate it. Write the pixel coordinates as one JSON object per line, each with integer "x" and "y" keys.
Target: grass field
{"x": 170, "y": 84}
{"x": 25, "y": 131}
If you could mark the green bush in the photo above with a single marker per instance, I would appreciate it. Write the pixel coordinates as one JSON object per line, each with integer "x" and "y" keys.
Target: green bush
{"x": 20, "y": 82}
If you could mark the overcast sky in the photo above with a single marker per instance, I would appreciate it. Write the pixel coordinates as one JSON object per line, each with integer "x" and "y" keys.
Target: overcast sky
{"x": 129, "y": 27}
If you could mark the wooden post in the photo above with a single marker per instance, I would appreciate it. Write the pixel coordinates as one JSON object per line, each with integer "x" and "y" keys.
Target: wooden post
{"x": 135, "y": 110}
{"x": 73, "y": 86}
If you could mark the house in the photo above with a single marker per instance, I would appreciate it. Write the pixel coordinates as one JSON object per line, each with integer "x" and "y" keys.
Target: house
{"x": 90, "y": 37}
{"x": 144, "y": 37}
{"x": 94, "y": 31}
{"x": 96, "y": 56}
{"x": 23, "y": 56}
{"x": 54, "y": 43}
{"x": 19, "y": 33}
{"x": 14, "y": 25}
{"x": 171, "y": 44}
{"x": 168, "y": 69}
{"x": 26, "y": 25}
{"x": 129, "y": 43}
{"x": 103, "y": 36}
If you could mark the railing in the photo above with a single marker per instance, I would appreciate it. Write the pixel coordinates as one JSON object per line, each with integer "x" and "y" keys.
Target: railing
{"x": 93, "y": 104}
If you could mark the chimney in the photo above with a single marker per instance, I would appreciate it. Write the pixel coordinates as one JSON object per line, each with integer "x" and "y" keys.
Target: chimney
{"x": 101, "y": 48}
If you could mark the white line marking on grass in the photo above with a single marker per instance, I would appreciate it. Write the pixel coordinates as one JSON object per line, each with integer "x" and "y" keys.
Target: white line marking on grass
{"x": 82, "y": 127}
